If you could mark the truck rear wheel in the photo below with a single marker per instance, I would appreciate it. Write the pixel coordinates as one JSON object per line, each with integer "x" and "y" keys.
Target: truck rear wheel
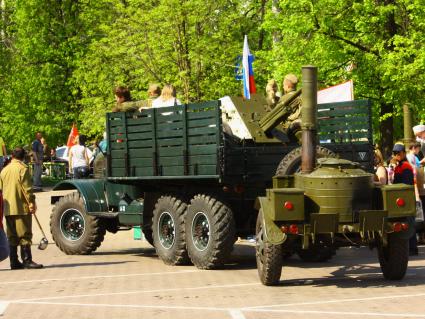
{"x": 168, "y": 230}
{"x": 291, "y": 163}
{"x": 394, "y": 258}
{"x": 210, "y": 232}
{"x": 73, "y": 230}
{"x": 269, "y": 257}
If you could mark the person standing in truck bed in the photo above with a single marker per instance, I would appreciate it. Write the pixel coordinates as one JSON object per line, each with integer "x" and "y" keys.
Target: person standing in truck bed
{"x": 123, "y": 98}
{"x": 167, "y": 97}
{"x": 292, "y": 123}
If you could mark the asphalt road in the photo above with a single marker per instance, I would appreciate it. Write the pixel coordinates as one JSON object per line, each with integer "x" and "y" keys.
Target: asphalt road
{"x": 125, "y": 279}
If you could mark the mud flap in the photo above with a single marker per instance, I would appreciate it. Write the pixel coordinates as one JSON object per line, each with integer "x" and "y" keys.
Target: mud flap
{"x": 272, "y": 232}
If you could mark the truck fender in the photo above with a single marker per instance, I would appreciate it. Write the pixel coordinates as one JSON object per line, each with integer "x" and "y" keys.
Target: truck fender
{"x": 272, "y": 232}
{"x": 92, "y": 191}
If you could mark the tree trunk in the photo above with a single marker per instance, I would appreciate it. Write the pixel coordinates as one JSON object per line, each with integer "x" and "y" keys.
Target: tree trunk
{"x": 386, "y": 129}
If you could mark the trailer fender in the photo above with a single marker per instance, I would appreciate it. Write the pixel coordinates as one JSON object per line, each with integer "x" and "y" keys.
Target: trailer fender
{"x": 91, "y": 190}
{"x": 272, "y": 232}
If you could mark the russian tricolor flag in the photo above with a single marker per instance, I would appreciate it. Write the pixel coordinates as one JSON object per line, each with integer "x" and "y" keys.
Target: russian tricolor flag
{"x": 248, "y": 73}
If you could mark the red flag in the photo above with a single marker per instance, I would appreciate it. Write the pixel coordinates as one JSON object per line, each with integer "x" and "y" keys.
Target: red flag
{"x": 72, "y": 136}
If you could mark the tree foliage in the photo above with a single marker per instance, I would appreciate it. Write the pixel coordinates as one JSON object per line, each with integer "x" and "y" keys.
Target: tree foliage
{"x": 61, "y": 59}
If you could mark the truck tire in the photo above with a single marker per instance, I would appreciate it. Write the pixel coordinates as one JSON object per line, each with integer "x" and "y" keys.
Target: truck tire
{"x": 316, "y": 254}
{"x": 168, "y": 230}
{"x": 394, "y": 258}
{"x": 73, "y": 230}
{"x": 148, "y": 234}
{"x": 269, "y": 257}
{"x": 149, "y": 202}
{"x": 291, "y": 163}
{"x": 210, "y": 232}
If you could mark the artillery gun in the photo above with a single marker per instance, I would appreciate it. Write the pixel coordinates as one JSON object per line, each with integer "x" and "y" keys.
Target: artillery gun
{"x": 330, "y": 203}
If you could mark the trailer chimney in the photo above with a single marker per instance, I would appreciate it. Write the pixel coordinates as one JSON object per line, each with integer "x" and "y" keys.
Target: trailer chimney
{"x": 309, "y": 118}
{"x": 407, "y": 124}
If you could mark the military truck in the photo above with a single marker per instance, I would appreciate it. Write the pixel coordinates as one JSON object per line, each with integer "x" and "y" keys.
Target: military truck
{"x": 331, "y": 203}
{"x": 189, "y": 175}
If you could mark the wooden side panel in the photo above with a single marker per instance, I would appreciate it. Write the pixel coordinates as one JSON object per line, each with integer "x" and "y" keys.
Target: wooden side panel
{"x": 171, "y": 141}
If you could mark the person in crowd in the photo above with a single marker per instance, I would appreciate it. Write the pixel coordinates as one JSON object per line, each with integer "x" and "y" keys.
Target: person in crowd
{"x": 19, "y": 205}
{"x": 3, "y": 152}
{"x": 381, "y": 176}
{"x": 46, "y": 150}
{"x": 4, "y": 244}
{"x": 167, "y": 97}
{"x": 419, "y": 131}
{"x": 79, "y": 159}
{"x": 53, "y": 154}
{"x": 37, "y": 153}
{"x": 123, "y": 99}
{"x": 272, "y": 96}
{"x": 403, "y": 173}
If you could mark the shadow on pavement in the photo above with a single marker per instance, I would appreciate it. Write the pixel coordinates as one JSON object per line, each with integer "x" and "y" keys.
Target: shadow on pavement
{"x": 106, "y": 263}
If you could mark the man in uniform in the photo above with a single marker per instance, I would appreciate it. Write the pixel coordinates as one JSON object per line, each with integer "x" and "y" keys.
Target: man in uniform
{"x": 292, "y": 119}
{"x": 19, "y": 204}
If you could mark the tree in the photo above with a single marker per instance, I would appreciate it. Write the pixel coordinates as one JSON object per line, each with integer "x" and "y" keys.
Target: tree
{"x": 377, "y": 43}
{"x": 191, "y": 44}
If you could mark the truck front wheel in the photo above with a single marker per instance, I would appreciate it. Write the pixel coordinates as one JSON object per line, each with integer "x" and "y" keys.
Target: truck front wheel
{"x": 73, "y": 230}
{"x": 210, "y": 232}
{"x": 269, "y": 257}
{"x": 394, "y": 257}
{"x": 168, "y": 230}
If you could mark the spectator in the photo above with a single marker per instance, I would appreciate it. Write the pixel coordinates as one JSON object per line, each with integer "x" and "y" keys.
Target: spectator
{"x": 79, "y": 159}
{"x": 53, "y": 154}
{"x": 37, "y": 153}
{"x": 403, "y": 173}
{"x": 381, "y": 176}
{"x": 19, "y": 205}
{"x": 167, "y": 97}
{"x": 419, "y": 131}
{"x": 46, "y": 150}
{"x": 3, "y": 152}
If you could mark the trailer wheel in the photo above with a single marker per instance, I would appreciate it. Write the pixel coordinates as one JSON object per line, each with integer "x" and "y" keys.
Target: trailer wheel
{"x": 269, "y": 257}
{"x": 168, "y": 230}
{"x": 210, "y": 232}
{"x": 394, "y": 258}
{"x": 291, "y": 163}
{"x": 73, "y": 230}
{"x": 316, "y": 254}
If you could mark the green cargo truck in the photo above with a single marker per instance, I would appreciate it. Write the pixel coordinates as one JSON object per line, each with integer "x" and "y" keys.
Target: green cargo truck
{"x": 190, "y": 180}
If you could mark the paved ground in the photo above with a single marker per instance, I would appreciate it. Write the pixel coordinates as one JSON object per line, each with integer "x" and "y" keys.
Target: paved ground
{"x": 125, "y": 279}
